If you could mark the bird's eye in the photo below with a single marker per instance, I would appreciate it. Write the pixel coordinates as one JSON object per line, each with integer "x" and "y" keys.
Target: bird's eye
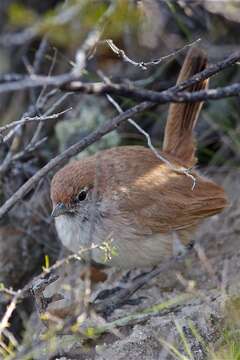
{"x": 82, "y": 195}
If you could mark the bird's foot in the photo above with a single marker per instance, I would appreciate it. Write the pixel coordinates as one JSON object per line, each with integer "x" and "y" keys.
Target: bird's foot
{"x": 107, "y": 301}
{"x": 112, "y": 299}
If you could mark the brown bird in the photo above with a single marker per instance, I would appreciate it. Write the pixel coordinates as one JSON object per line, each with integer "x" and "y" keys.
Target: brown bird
{"x": 148, "y": 209}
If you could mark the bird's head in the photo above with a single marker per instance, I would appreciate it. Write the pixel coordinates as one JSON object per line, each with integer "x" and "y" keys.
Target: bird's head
{"x": 72, "y": 188}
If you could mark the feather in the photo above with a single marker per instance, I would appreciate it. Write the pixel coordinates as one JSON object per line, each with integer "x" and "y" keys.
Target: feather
{"x": 182, "y": 118}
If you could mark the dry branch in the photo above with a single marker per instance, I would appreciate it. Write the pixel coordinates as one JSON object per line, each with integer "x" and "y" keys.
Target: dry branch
{"x": 28, "y": 119}
{"x": 10, "y": 309}
{"x": 142, "y": 64}
{"x": 163, "y": 97}
{"x": 184, "y": 170}
{"x": 173, "y": 94}
{"x": 36, "y": 287}
{"x": 60, "y": 80}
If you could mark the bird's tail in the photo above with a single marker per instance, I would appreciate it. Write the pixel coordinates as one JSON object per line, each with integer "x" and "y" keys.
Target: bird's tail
{"x": 182, "y": 117}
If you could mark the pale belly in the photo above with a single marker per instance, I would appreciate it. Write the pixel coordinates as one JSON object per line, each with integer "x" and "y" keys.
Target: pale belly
{"x": 119, "y": 249}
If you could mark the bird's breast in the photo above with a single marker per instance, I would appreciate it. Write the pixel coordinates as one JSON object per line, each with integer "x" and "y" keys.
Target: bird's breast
{"x": 117, "y": 245}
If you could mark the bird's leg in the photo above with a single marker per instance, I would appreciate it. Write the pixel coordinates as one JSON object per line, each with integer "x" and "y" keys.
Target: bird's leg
{"x": 106, "y": 293}
{"x": 121, "y": 296}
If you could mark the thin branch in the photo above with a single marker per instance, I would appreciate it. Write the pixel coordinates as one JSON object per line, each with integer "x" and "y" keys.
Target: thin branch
{"x": 32, "y": 111}
{"x": 32, "y": 146}
{"x": 50, "y": 71}
{"x": 47, "y": 276}
{"x": 6, "y": 78}
{"x": 10, "y": 309}
{"x": 36, "y": 287}
{"x": 10, "y": 157}
{"x": 144, "y": 65}
{"x": 184, "y": 171}
{"x": 36, "y": 66}
{"x": 39, "y": 56}
{"x": 37, "y": 81}
{"x": 33, "y": 119}
{"x": 60, "y": 80}
{"x": 19, "y": 38}
{"x": 162, "y": 97}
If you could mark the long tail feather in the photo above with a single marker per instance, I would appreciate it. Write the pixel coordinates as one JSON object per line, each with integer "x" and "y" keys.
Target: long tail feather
{"x": 182, "y": 118}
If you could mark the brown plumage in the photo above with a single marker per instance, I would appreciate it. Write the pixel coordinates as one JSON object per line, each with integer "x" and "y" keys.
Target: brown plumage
{"x": 182, "y": 118}
{"x": 139, "y": 202}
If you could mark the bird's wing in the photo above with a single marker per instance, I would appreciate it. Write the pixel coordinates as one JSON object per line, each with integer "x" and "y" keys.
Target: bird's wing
{"x": 163, "y": 200}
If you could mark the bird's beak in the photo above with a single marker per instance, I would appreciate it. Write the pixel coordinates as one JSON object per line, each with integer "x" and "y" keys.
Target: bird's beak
{"x": 59, "y": 209}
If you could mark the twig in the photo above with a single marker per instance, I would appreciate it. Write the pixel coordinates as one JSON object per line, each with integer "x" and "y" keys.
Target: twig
{"x": 30, "y": 148}
{"x": 144, "y": 65}
{"x": 37, "y": 290}
{"x": 19, "y": 38}
{"x": 36, "y": 66}
{"x": 33, "y": 119}
{"x": 32, "y": 112}
{"x": 7, "y": 291}
{"x": 60, "y": 80}
{"x": 32, "y": 145}
{"x": 49, "y": 274}
{"x": 39, "y": 56}
{"x": 36, "y": 287}
{"x": 10, "y": 309}
{"x": 162, "y": 97}
{"x": 169, "y": 95}
{"x": 184, "y": 171}
{"x": 53, "y": 62}
{"x": 6, "y": 78}
{"x": 36, "y": 81}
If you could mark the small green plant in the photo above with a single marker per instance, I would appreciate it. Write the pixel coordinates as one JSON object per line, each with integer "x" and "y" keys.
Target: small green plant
{"x": 108, "y": 249}
{"x": 46, "y": 265}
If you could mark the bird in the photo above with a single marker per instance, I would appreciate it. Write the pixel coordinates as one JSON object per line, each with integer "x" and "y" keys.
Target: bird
{"x": 135, "y": 208}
